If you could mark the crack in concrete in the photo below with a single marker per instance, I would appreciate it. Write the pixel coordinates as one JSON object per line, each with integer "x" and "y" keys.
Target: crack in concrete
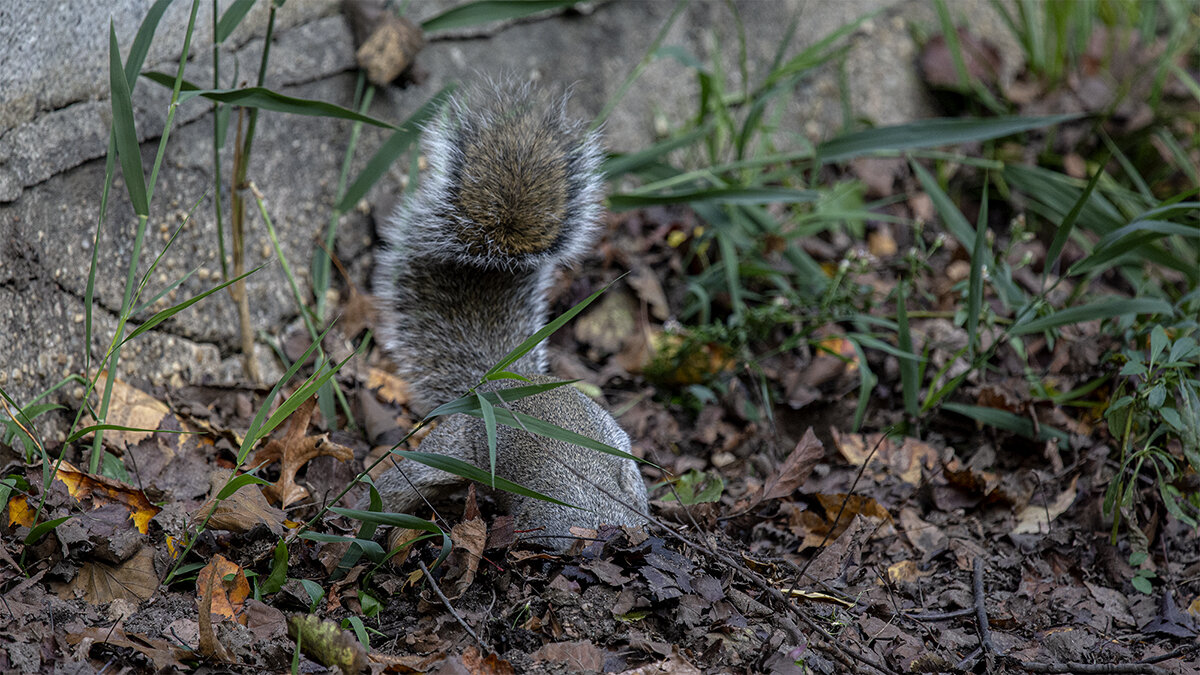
{"x": 224, "y": 351}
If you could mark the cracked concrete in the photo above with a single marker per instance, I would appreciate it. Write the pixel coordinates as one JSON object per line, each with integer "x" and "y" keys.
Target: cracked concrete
{"x": 54, "y": 117}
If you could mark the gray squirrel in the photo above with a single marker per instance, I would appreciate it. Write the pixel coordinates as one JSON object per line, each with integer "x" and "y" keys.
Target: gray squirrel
{"x": 511, "y": 193}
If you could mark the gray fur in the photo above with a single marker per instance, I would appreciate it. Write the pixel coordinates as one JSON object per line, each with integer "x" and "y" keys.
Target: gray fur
{"x": 454, "y": 301}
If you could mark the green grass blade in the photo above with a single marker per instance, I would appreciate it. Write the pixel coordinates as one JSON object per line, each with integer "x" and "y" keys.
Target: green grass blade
{"x": 489, "y": 424}
{"x": 255, "y": 432}
{"x": 866, "y": 385}
{"x": 956, "y": 223}
{"x": 931, "y": 133}
{"x": 721, "y": 195}
{"x": 470, "y": 404}
{"x": 261, "y": 98}
{"x": 487, "y": 11}
{"x": 403, "y": 520}
{"x": 172, "y": 311}
{"x": 543, "y": 333}
{"x": 38, "y": 531}
{"x": 1128, "y": 239}
{"x": 141, "y": 41}
{"x": 117, "y": 427}
{"x": 618, "y": 165}
{"x": 471, "y": 472}
{"x": 372, "y": 550}
{"x": 238, "y": 482}
{"x": 820, "y": 52}
{"x": 123, "y": 128}
{"x": 909, "y": 367}
{"x": 1002, "y": 419}
{"x": 305, "y": 392}
{"x": 393, "y": 147}
{"x": 975, "y": 282}
{"x": 534, "y": 425}
{"x": 231, "y": 18}
{"x": 1064, "y": 230}
{"x": 1105, "y": 308}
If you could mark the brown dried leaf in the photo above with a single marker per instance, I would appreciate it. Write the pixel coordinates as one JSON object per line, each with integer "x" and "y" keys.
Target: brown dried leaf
{"x": 609, "y": 324}
{"x": 293, "y": 452}
{"x": 925, "y": 536}
{"x": 477, "y": 664}
{"x": 649, "y": 288}
{"x": 905, "y": 459}
{"x": 240, "y": 511}
{"x": 133, "y": 580}
{"x": 469, "y": 537}
{"x": 95, "y": 491}
{"x": 1036, "y": 518}
{"x": 227, "y": 595}
{"x": 165, "y": 656}
{"x": 388, "y": 387}
{"x": 796, "y": 468}
{"x": 579, "y": 655}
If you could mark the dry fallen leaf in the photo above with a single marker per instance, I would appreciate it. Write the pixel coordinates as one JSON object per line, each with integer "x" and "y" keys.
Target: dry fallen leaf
{"x": 905, "y": 459}
{"x": 492, "y": 664}
{"x": 240, "y": 511}
{"x": 96, "y": 491}
{"x": 609, "y": 324}
{"x": 796, "y": 468}
{"x": 97, "y": 582}
{"x": 166, "y": 656}
{"x": 579, "y": 655}
{"x": 293, "y": 452}
{"x": 926, "y": 537}
{"x": 20, "y": 513}
{"x": 227, "y": 595}
{"x": 134, "y": 408}
{"x": 1036, "y": 518}
{"x": 388, "y": 387}
{"x": 208, "y": 645}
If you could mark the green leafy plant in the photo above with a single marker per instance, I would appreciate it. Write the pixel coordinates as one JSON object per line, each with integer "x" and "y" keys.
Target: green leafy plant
{"x": 1154, "y": 407}
{"x": 696, "y": 487}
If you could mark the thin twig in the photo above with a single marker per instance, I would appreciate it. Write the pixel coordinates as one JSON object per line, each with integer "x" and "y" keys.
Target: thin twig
{"x": 985, "y": 633}
{"x": 1103, "y": 668}
{"x": 450, "y": 608}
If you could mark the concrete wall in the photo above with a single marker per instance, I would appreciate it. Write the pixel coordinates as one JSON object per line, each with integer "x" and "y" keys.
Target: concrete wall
{"x": 54, "y": 117}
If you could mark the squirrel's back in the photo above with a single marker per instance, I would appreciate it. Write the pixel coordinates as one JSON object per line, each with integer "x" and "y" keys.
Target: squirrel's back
{"x": 511, "y": 192}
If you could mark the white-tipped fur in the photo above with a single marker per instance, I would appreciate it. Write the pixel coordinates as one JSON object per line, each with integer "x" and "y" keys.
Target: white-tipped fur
{"x": 449, "y": 310}
{"x": 455, "y": 299}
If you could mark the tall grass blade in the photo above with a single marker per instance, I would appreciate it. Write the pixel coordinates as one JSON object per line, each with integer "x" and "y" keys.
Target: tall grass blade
{"x": 719, "y": 195}
{"x": 489, "y": 424}
{"x": 141, "y": 42}
{"x": 261, "y": 98}
{"x": 975, "y": 283}
{"x": 543, "y": 333}
{"x": 1002, "y": 419}
{"x": 471, "y": 403}
{"x": 1128, "y": 239}
{"x": 123, "y": 128}
{"x": 231, "y": 18}
{"x": 471, "y": 472}
{"x": 487, "y": 11}
{"x": 1105, "y": 308}
{"x": 393, "y": 147}
{"x": 909, "y": 367}
{"x": 931, "y": 133}
{"x": 172, "y": 311}
{"x": 1064, "y": 230}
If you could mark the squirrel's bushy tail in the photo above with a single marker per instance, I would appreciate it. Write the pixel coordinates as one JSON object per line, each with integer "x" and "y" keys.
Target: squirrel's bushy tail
{"x": 511, "y": 192}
